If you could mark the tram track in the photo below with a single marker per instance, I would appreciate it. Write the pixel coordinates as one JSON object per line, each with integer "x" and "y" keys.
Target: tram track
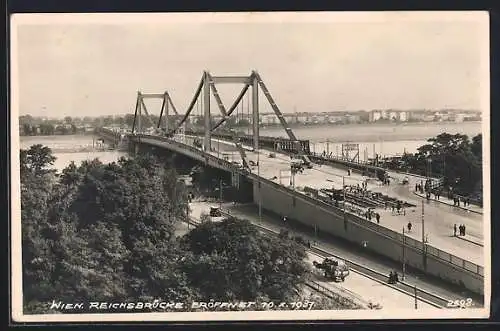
{"x": 402, "y": 286}
{"x": 340, "y": 294}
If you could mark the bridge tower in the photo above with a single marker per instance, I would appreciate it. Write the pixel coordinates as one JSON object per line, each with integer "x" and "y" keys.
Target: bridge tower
{"x": 142, "y": 111}
{"x": 207, "y": 88}
{"x": 209, "y": 85}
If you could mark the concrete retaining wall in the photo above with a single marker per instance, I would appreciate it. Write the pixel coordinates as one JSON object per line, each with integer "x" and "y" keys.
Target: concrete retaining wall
{"x": 358, "y": 230}
{"x": 329, "y": 219}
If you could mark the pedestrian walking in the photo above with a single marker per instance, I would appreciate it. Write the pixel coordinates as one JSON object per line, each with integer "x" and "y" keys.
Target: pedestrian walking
{"x": 377, "y": 216}
{"x": 463, "y": 230}
{"x": 454, "y": 230}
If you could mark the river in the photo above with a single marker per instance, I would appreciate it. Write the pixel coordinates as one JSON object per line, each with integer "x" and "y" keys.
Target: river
{"x": 383, "y": 139}
{"x": 63, "y": 147}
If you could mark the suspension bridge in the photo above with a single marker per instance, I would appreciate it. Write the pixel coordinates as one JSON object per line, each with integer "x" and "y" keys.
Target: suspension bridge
{"x": 281, "y": 175}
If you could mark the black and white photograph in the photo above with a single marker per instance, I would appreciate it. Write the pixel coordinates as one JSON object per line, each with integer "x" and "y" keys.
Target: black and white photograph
{"x": 250, "y": 166}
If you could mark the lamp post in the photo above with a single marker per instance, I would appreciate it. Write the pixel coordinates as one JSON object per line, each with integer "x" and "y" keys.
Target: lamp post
{"x": 423, "y": 226}
{"x": 220, "y": 193}
{"x": 187, "y": 214}
{"x": 404, "y": 256}
{"x": 260, "y": 189}
{"x": 344, "y": 202}
{"x": 415, "y": 294}
{"x": 315, "y": 233}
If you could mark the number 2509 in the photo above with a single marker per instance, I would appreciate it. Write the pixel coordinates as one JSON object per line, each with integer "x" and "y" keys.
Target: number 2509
{"x": 464, "y": 303}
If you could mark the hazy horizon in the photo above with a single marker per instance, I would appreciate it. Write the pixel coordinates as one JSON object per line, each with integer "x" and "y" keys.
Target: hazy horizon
{"x": 96, "y": 69}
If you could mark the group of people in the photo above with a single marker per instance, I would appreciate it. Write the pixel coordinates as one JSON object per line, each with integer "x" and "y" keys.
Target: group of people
{"x": 393, "y": 277}
{"x": 421, "y": 188}
{"x": 397, "y": 209}
{"x": 461, "y": 230}
{"x": 456, "y": 201}
{"x": 370, "y": 213}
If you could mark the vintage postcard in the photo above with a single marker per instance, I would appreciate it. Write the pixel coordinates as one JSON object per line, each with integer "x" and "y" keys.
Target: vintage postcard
{"x": 250, "y": 166}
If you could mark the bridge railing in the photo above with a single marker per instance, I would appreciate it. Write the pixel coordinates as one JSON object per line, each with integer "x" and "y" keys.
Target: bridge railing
{"x": 268, "y": 142}
{"x": 396, "y": 236}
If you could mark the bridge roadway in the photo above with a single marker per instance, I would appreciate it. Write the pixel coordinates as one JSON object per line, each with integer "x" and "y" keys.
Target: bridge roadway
{"x": 439, "y": 218}
{"x": 356, "y": 284}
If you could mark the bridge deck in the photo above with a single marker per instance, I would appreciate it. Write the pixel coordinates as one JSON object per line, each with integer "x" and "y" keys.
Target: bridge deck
{"x": 439, "y": 218}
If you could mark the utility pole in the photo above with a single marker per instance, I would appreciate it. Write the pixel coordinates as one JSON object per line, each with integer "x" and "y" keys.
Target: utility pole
{"x": 260, "y": 183}
{"x": 315, "y": 233}
{"x": 423, "y": 227}
{"x": 416, "y": 298}
{"x": 344, "y": 202}
{"x": 424, "y": 243}
{"x": 220, "y": 193}
{"x": 404, "y": 255}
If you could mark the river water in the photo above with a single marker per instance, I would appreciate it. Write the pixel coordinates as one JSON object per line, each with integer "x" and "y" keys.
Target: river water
{"x": 64, "y": 148}
{"x": 382, "y": 139}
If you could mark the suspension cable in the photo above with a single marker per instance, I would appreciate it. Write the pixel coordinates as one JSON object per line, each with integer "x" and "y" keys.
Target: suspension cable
{"x": 202, "y": 106}
{"x": 248, "y": 115}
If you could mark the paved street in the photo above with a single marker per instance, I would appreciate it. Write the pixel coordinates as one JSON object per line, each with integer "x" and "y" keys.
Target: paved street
{"x": 355, "y": 285}
{"x": 439, "y": 217}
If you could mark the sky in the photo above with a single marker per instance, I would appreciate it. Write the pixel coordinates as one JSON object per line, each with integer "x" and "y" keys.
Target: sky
{"x": 94, "y": 65}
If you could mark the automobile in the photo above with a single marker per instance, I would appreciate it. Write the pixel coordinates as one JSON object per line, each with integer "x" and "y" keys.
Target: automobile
{"x": 334, "y": 269}
{"x": 215, "y": 212}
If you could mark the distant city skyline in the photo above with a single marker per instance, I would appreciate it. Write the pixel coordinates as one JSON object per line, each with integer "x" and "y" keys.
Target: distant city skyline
{"x": 66, "y": 68}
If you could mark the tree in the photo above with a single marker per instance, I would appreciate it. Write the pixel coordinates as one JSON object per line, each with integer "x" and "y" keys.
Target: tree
{"x": 36, "y": 188}
{"x": 106, "y": 232}
{"x": 233, "y": 260}
{"x": 453, "y": 156}
{"x": 36, "y": 160}
{"x": 129, "y": 120}
{"x": 477, "y": 147}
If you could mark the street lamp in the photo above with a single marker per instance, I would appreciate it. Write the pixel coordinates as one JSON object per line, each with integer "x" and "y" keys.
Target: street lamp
{"x": 187, "y": 214}
{"x": 424, "y": 241}
{"x": 404, "y": 256}
{"x": 344, "y": 201}
{"x": 220, "y": 194}
{"x": 260, "y": 184}
{"x": 416, "y": 298}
